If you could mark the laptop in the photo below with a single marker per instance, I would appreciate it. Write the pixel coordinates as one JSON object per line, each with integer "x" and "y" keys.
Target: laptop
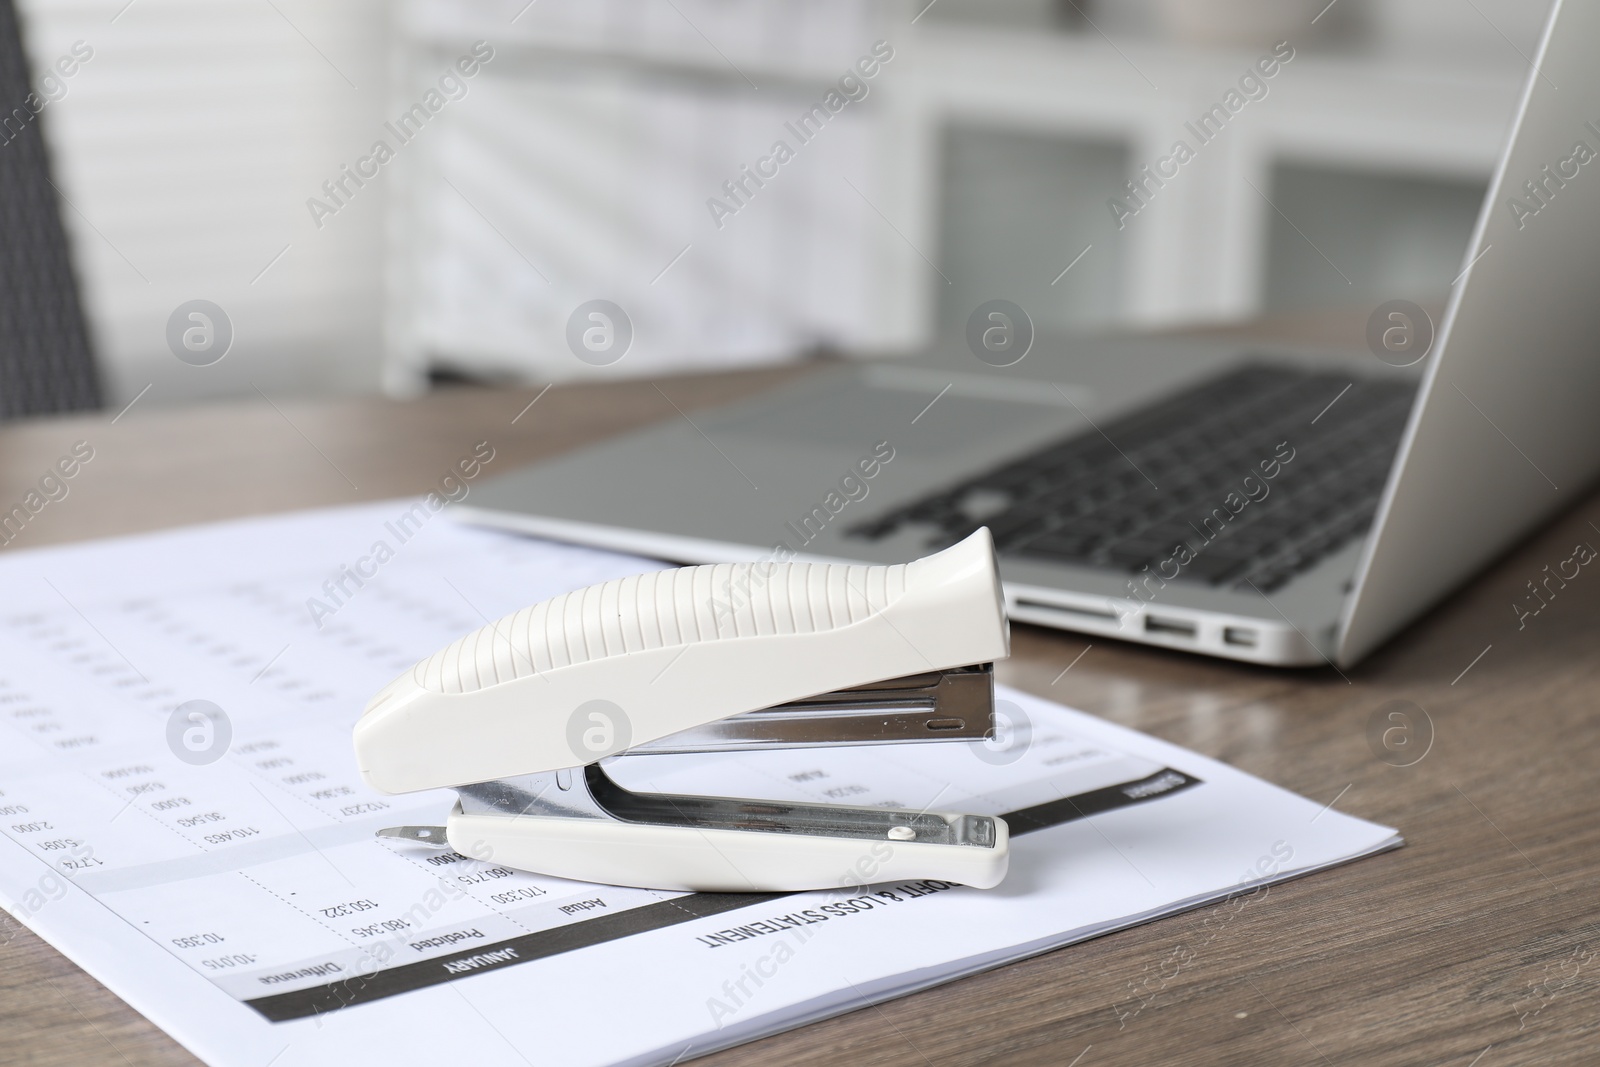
{"x": 1275, "y": 506}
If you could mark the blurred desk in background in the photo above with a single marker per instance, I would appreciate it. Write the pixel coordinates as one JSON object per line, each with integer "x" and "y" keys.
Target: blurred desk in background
{"x": 1480, "y": 932}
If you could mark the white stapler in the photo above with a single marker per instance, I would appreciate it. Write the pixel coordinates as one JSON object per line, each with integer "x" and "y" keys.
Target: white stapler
{"x": 521, "y": 716}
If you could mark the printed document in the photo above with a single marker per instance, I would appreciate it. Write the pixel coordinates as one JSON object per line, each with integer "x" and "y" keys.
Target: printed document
{"x": 180, "y": 814}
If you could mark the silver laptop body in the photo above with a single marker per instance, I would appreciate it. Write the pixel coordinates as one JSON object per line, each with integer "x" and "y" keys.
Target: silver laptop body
{"x": 1503, "y": 433}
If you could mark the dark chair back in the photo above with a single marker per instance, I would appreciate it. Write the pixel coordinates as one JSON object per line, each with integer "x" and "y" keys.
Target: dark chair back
{"x": 45, "y": 361}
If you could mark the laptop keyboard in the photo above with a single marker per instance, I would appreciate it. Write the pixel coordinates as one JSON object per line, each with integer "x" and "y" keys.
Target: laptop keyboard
{"x": 1246, "y": 479}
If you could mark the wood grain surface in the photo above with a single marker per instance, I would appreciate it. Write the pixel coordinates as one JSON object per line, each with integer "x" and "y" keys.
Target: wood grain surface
{"x": 1480, "y": 938}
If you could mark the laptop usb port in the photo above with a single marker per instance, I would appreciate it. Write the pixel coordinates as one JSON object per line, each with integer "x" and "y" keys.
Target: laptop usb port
{"x": 1239, "y": 635}
{"x": 1177, "y": 628}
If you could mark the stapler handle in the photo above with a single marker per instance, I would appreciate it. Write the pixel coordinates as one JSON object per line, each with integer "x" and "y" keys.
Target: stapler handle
{"x": 661, "y": 653}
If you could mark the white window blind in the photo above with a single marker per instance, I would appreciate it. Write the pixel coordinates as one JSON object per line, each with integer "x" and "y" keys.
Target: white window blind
{"x": 581, "y": 165}
{"x": 187, "y": 147}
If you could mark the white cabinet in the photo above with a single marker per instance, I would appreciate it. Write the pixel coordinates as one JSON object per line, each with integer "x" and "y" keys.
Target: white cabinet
{"x": 1394, "y": 150}
{"x": 984, "y": 159}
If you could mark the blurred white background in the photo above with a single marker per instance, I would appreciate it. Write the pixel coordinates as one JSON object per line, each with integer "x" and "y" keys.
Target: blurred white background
{"x": 578, "y": 162}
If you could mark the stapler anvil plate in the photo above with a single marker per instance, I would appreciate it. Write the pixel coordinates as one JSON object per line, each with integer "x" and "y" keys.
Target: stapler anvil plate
{"x": 522, "y": 716}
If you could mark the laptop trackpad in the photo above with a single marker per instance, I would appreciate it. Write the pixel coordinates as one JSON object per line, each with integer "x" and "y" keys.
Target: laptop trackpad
{"x": 928, "y": 420}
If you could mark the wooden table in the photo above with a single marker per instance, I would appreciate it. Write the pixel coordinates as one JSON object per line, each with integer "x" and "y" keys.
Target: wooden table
{"x": 1481, "y": 934}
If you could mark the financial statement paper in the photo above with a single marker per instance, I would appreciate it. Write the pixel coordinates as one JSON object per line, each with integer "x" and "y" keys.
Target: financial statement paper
{"x": 222, "y": 876}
